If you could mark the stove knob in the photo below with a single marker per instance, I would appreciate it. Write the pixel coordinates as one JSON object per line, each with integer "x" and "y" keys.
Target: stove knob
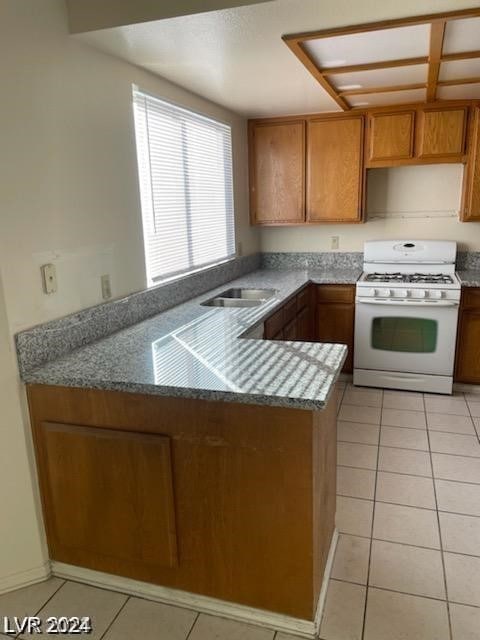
{"x": 372, "y": 292}
{"x": 422, "y": 293}
{"x": 436, "y": 294}
{"x": 402, "y": 293}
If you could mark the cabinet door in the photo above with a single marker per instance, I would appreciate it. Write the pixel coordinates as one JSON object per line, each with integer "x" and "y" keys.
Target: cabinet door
{"x": 467, "y": 367}
{"x": 390, "y": 136}
{"x": 335, "y": 323}
{"x": 277, "y": 169}
{"x": 290, "y": 331}
{"x": 334, "y": 169}
{"x": 108, "y": 497}
{"x": 468, "y": 347}
{"x": 305, "y": 324}
{"x": 471, "y": 186}
{"x": 274, "y": 325}
{"x": 441, "y": 133}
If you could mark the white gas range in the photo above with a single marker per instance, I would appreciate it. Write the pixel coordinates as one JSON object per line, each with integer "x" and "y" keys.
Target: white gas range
{"x": 406, "y": 316}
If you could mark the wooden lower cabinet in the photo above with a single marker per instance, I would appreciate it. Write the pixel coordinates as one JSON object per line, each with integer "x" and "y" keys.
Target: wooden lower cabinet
{"x": 294, "y": 320}
{"x": 335, "y": 317}
{"x": 108, "y": 496}
{"x": 467, "y": 368}
{"x": 231, "y": 501}
{"x": 325, "y": 313}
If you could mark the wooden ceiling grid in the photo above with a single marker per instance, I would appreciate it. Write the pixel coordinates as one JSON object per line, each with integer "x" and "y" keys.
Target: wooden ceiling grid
{"x": 436, "y": 56}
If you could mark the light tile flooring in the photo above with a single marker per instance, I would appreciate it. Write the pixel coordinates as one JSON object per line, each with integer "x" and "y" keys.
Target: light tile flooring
{"x": 407, "y": 565}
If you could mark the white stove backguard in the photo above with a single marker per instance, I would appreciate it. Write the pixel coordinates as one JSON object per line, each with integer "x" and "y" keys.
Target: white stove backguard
{"x": 410, "y": 256}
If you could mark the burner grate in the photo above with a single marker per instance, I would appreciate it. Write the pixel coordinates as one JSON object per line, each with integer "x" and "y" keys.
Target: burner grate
{"x": 424, "y": 278}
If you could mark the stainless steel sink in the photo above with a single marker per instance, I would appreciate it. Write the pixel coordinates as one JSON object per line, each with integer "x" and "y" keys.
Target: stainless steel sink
{"x": 237, "y": 297}
{"x": 248, "y": 294}
{"x": 232, "y": 302}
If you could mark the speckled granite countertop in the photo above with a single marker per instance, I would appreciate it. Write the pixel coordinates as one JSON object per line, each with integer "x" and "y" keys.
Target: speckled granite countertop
{"x": 193, "y": 351}
{"x": 469, "y": 278}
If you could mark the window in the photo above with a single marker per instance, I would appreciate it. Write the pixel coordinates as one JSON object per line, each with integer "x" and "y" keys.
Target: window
{"x": 185, "y": 171}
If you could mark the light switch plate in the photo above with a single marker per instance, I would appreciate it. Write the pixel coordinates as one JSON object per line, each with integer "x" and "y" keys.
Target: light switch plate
{"x": 106, "y": 287}
{"x": 49, "y": 278}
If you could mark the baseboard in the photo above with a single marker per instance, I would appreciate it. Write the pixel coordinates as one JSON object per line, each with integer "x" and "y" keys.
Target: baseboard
{"x": 204, "y": 604}
{"x": 466, "y": 388}
{"x": 175, "y": 597}
{"x": 326, "y": 577}
{"x": 25, "y": 578}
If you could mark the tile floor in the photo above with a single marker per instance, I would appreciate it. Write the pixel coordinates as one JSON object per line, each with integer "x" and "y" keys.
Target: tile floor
{"x": 407, "y": 565}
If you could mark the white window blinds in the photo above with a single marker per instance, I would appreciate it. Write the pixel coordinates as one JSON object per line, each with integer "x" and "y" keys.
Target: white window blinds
{"x": 185, "y": 171}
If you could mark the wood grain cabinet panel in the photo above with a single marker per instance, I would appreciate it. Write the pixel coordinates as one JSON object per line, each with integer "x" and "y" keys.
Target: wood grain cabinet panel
{"x": 335, "y": 319}
{"x": 305, "y": 329}
{"x": 108, "y": 497}
{"x": 467, "y": 367}
{"x": 390, "y": 136}
{"x": 336, "y": 293}
{"x": 254, "y": 507}
{"x": 290, "y": 331}
{"x": 335, "y": 169}
{"x": 441, "y": 132}
{"x": 277, "y": 170}
{"x": 471, "y": 191}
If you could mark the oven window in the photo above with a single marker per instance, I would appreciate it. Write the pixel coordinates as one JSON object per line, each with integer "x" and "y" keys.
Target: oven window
{"x": 412, "y": 335}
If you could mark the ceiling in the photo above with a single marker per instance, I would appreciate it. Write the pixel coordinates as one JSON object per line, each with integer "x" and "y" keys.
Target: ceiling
{"x": 393, "y": 62}
{"x": 236, "y": 57}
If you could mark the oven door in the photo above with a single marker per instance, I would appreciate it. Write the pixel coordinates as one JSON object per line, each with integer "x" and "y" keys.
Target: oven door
{"x": 411, "y": 336}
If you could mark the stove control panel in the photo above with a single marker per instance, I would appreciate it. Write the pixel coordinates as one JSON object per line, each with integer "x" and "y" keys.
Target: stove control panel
{"x": 406, "y": 295}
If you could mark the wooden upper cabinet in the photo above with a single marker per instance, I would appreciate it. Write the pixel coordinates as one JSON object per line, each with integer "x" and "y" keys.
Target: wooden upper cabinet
{"x": 390, "y": 136}
{"x": 471, "y": 190}
{"x": 277, "y": 170}
{"x": 334, "y": 169}
{"x": 441, "y": 132}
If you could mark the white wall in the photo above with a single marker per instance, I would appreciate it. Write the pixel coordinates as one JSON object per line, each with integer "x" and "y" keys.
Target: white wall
{"x": 22, "y": 551}
{"x": 68, "y": 195}
{"x": 427, "y": 196}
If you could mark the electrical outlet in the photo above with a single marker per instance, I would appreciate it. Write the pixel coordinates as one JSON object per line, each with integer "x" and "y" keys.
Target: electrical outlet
{"x": 49, "y": 278}
{"x": 335, "y": 242}
{"x": 106, "y": 287}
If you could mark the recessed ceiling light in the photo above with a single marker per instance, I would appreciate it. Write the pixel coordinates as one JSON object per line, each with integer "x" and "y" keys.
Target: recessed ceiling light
{"x": 347, "y": 87}
{"x": 360, "y": 104}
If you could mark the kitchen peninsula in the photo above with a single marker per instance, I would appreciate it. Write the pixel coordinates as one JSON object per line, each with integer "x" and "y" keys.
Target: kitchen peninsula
{"x": 180, "y": 452}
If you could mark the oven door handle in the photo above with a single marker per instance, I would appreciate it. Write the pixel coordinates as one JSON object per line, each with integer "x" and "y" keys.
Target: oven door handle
{"x": 419, "y": 303}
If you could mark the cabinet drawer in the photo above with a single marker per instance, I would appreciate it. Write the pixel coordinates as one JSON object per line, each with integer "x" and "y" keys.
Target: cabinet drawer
{"x": 289, "y": 310}
{"x": 471, "y": 298}
{"x": 274, "y": 324}
{"x": 336, "y": 293}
